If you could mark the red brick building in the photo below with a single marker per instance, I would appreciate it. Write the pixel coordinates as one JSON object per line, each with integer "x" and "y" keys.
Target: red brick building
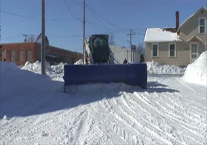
{"x": 31, "y": 51}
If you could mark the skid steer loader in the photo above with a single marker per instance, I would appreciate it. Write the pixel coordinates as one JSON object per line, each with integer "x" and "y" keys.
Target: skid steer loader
{"x": 100, "y": 67}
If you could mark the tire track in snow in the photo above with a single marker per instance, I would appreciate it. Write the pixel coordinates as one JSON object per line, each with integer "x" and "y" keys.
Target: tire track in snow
{"x": 174, "y": 114}
{"x": 183, "y": 106}
{"x": 167, "y": 116}
{"x": 80, "y": 133}
{"x": 124, "y": 115}
{"x": 18, "y": 128}
{"x": 74, "y": 131}
{"x": 191, "y": 90}
{"x": 193, "y": 102}
{"x": 187, "y": 120}
{"x": 181, "y": 86}
{"x": 193, "y": 110}
{"x": 35, "y": 123}
{"x": 84, "y": 130}
{"x": 162, "y": 133}
{"x": 115, "y": 127}
{"x": 190, "y": 112}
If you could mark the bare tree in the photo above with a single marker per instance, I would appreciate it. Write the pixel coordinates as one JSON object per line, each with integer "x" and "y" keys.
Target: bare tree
{"x": 140, "y": 48}
{"x": 30, "y": 38}
{"x": 111, "y": 39}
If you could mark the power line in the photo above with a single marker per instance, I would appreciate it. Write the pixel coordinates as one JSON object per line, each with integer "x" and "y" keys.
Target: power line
{"x": 77, "y": 2}
{"x": 99, "y": 20}
{"x": 18, "y": 36}
{"x": 70, "y": 10}
{"x": 12, "y": 37}
{"x": 124, "y": 30}
{"x": 92, "y": 28}
{"x": 29, "y": 17}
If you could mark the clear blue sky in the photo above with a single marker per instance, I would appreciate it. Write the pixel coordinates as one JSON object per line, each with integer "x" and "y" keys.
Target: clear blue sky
{"x": 64, "y": 29}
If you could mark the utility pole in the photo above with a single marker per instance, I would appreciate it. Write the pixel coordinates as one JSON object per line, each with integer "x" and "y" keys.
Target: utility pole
{"x": 0, "y": 33}
{"x": 43, "y": 40}
{"x": 131, "y": 41}
{"x": 25, "y": 37}
{"x": 84, "y": 22}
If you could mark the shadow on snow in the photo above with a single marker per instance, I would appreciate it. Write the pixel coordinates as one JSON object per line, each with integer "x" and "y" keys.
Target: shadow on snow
{"x": 43, "y": 95}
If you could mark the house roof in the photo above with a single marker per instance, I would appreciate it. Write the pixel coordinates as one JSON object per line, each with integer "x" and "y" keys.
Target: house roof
{"x": 161, "y": 35}
{"x": 202, "y": 8}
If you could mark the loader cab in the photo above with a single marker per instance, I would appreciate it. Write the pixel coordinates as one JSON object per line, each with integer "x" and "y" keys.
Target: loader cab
{"x": 99, "y": 48}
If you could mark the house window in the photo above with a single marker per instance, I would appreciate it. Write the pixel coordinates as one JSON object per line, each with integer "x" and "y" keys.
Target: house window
{"x": 13, "y": 56}
{"x": 155, "y": 50}
{"x": 202, "y": 25}
{"x": 172, "y": 50}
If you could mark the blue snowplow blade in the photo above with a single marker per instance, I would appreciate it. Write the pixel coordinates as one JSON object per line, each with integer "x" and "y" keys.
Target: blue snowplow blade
{"x": 132, "y": 74}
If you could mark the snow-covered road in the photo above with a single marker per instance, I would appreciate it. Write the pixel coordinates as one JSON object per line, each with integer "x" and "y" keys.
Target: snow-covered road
{"x": 170, "y": 111}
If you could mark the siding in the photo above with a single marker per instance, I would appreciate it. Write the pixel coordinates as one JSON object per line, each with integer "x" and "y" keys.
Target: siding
{"x": 182, "y": 54}
{"x": 121, "y": 53}
{"x": 190, "y": 27}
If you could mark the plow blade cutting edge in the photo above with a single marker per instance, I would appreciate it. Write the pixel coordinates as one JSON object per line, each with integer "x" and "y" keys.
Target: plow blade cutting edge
{"x": 132, "y": 74}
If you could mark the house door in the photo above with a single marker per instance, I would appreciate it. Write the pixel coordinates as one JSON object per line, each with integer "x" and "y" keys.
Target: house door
{"x": 194, "y": 52}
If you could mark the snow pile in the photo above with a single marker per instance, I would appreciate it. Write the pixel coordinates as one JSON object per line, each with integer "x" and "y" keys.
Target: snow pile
{"x": 36, "y": 67}
{"x": 52, "y": 71}
{"x": 58, "y": 69}
{"x": 196, "y": 72}
{"x": 160, "y": 35}
{"x": 155, "y": 68}
{"x": 79, "y": 62}
{"x": 8, "y": 66}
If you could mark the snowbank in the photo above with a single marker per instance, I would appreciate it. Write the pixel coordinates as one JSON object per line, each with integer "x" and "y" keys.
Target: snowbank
{"x": 8, "y": 66}
{"x": 52, "y": 71}
{"x": 196, "y": 72}
{"x": 155, "y": 68}
{"x": 58, "y": 69}
{"x": 36, "y": 67}
{"x": 79, "y": 62}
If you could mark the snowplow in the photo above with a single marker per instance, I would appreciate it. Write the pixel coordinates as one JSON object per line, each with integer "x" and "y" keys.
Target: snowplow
{"x": 100, "y": 67}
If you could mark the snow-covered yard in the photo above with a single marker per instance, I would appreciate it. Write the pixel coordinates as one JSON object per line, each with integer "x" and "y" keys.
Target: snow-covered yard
{"x": 34, "y": 109}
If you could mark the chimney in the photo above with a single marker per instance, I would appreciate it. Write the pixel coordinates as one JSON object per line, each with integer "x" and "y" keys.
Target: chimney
{"x": 177, "y": 19}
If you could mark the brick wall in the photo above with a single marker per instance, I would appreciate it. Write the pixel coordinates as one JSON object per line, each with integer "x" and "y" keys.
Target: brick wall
{"x": 67, "y": 56}
{"x": 17, "y": 47}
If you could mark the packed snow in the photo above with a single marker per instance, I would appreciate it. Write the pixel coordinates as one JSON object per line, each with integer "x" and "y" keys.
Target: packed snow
{"x": 197, "y": 72}
{"x": 160, "y": 35}
{"x": 34, "y": 109}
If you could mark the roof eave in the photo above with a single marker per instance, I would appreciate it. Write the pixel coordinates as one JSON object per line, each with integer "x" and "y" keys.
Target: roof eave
{"x": 162, "y": 41}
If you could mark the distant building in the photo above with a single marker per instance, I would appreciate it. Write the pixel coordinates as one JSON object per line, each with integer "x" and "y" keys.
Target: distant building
{"x": 31, "y": 51}
{"x": 120, "y": 54}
